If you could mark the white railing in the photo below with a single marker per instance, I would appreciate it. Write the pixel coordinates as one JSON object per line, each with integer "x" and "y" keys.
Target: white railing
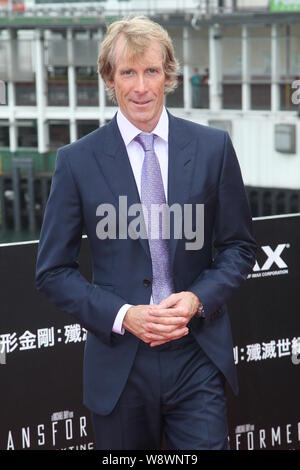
{"x": 107, "y": 7}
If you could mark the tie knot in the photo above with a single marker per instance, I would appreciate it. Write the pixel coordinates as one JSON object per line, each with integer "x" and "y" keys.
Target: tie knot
{"x": 146, "y": 141}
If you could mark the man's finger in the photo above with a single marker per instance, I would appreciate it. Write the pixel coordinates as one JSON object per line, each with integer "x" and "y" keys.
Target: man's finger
{"x": 169, "y": 301}
{"x": 168, "y": 320}
{"x": 154, "y": 337}
{"x": 166, "y": 312}
{"x": 157, "y": 343}
{"x": 163, "y": 329}
{"x": 168, "y": 334}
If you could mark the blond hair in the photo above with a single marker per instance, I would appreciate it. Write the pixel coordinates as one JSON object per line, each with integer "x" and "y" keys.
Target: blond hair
{"x": 138, "y": 32}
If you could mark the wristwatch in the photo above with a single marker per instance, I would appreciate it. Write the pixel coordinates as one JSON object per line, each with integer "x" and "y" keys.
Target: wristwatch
{"x": 200, "y": 312}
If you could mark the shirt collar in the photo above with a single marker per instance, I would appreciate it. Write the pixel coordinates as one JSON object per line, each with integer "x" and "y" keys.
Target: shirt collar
{"x": 129, "y": 131}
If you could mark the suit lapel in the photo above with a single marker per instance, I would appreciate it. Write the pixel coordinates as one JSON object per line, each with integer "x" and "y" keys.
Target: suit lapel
{"x": 115, "y": 166}
{"x": 182, "y": 152}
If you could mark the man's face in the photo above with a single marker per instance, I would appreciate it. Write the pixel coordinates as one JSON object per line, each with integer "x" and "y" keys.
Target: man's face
{"x": 139, "y": 85}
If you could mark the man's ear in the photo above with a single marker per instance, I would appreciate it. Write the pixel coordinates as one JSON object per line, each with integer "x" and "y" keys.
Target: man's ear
{"x": 109, "y": 83}
{"x": 167, "y": 80}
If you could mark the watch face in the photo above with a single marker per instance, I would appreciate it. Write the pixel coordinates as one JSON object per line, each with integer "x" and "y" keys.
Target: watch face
{"x": 201, "y": 311}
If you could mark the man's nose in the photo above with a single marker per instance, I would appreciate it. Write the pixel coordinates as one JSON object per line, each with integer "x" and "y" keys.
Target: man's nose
{"x": 140, "y": 84}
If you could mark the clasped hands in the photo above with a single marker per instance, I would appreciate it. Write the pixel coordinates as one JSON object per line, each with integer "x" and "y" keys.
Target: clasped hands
{"x": 157, "y": 324}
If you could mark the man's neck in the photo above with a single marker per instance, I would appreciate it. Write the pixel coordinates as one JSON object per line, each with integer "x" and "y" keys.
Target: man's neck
{"x": 143, "y": 127}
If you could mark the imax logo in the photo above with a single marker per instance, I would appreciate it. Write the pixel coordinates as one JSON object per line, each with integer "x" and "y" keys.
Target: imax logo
{"x": 273, "y": 257}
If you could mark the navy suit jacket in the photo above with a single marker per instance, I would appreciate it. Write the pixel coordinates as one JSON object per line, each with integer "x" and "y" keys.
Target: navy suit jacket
{"x": 203, "y": 168}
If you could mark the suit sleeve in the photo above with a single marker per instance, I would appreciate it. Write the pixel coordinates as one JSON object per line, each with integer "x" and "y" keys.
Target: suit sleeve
{"x": 234, "y": 243}
{"x": 57, "y": 274}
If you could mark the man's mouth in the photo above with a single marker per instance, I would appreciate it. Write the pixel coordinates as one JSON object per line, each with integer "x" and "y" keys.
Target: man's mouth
{"x": 141, "y": 103}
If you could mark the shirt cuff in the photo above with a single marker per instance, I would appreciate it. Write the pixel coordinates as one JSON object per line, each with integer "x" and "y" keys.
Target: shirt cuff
{"x": 117, "y": 326}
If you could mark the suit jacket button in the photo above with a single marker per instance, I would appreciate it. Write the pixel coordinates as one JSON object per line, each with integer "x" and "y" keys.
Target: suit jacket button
{"x": 146, "y": 282}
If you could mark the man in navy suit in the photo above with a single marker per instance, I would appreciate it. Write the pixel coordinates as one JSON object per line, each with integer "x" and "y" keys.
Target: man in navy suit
{"x": 159, "y": 345}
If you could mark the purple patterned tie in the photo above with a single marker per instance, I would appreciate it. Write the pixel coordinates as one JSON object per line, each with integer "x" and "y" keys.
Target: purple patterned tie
{"x": 152, "y": 192}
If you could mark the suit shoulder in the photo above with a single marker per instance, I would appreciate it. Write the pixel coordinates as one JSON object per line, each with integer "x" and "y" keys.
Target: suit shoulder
{"x": 201, "y": 130}
{"x": 84, "y": 144}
